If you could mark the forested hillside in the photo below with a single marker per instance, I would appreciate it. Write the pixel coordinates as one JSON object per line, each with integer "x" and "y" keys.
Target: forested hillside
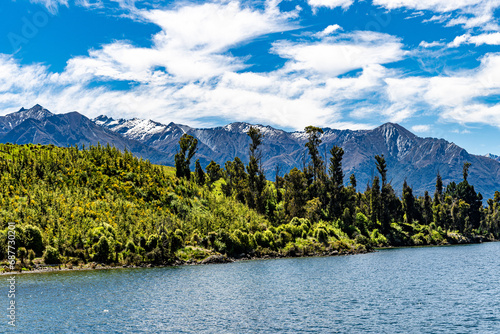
{"x": 98, "y": 204}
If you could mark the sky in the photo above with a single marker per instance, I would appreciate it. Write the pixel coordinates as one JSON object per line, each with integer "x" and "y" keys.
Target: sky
{"x": 432, "y": 66}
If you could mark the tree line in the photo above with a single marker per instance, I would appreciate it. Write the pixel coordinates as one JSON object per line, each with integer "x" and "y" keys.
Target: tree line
{"x": 317, "y": 192}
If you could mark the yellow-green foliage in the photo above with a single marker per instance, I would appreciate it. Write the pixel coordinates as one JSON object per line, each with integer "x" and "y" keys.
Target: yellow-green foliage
{"x": 75, "y": 197}
{"x": 99, "y": 204}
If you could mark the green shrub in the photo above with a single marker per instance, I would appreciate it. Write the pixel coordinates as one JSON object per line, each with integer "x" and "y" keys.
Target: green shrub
{"x": 321, "y": 235}
{"x": 33, "y": 239}
{"x": 102, "y": 250}
{"x": 21, "y": 253}
{"x": 130, "y": 246}
{"x": 51, "y": 256}
{"x": 152, "y": 242}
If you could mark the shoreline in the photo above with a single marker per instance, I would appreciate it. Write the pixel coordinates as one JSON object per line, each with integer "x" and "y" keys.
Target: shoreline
{"x": 212, "y": 259}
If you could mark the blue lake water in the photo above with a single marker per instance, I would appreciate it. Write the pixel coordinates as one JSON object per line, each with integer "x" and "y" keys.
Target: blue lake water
{"x": 454, "y": 289}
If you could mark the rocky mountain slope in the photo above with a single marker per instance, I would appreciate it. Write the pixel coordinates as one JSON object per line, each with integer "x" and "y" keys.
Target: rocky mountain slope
{"x": 68, "y": 130}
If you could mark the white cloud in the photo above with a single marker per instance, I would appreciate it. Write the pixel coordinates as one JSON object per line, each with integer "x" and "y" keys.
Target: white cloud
{"x": 188, "y": 75}
{"x": 459, "y": 40}
{"x": 331, "y": 3}
{"x": 425, "y": 44}
{"x": 461, "y": 132}
{"x": 191, "y": 45}
{"x": 486, "y": 38}
{"x": 52, "y": 5}
{"x": 468, "y": 13}
{"x": 328, "y": 30}
{"x": 333, "y": 57}
{"x": 90, "y": 3}
{"x": 434, "y": 5}
{"x": 455, "y": 97}
{"x": 421, "y": 128}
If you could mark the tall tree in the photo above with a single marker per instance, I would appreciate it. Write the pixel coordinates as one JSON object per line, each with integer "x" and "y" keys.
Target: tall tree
{"x": 187, "y": 149}
{"x": 408, "y": 203}
{"x": 312, "y": 145}
{"x": 199, "y": 173}
{"x": 335, "y": 169}
{"x": 382, "y": 168}
{"x": 236, "y": 180}
{"x": 213, "y": 172}
{"x": 336, "y": 182}
{"x": 295, "y": 193}
{"x": 465, "y": 170}
{"x": 352, "y": 180}
{"x": 375, "y": 201}
{"x": 387, "y": 193}
{"x": 256, "y": 178}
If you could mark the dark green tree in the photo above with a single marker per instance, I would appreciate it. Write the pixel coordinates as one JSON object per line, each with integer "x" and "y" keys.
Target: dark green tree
{"x": 295, "y": 193}
{"x": 213, "y": 172}
{"x": 375, "y": 201}
{"x": 256, "y": 177}
{"x": 408, "y": 203}
{"x": 199, "y": 173}
{"x": 382, "y": 168}
{"x": 312, "y": 145}
{"x": 236, "y": 180}
{"x": 336, "y": 183}
{"x": 465, "y": 170}
{"x": 187, "y": 149}
{"x": 352, "y": 180}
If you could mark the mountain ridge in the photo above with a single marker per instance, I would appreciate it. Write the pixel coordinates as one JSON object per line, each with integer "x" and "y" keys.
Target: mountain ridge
{"x": 409, "y": 157}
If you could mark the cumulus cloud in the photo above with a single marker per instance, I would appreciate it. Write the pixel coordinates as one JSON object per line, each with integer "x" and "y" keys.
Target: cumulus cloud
{"x": 191, "y": 45}
{"x": 328, "y": 30}
{"x": 487, "y": 38}
{"x": 331, "y": 3}
{"x": 454, "y": 96}
{"x": 425, "y": 44}
{"x": 335, "y": 56}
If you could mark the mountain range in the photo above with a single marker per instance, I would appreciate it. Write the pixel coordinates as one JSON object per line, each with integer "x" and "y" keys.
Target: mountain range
{"x": 409, "y": 157}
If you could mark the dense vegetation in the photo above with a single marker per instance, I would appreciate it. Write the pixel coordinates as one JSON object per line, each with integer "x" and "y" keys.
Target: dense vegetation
{"x": 375, "y": 217}
{"x": 97, "y": 204}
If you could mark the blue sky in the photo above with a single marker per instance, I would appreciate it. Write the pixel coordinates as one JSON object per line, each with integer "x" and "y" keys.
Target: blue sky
{"x": 432, "y": 66}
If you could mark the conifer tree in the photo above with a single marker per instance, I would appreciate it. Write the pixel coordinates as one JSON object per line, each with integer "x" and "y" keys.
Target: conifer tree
{"x": 256, "y": 178}
{"x": 187, "y": 149}
{"x": 199, "y": 173}
{"x": 213, "y": 172}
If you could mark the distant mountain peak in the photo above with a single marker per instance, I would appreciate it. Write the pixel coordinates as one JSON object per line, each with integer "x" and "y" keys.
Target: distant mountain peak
{"x": 10, "y": 121}
{"x": 36, "y": 110}
{"x": 391, "y": 129}
{"x": 492, "y": 156}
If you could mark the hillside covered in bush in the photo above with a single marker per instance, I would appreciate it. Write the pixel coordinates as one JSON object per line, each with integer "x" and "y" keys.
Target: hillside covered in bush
{"x": 97, "y": 204}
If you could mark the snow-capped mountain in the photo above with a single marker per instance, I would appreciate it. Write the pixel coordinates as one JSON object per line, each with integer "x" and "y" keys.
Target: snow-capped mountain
{"x": 72, "y": 129}
{"x": 493, "y": 156}
{"x": 10, "y": 121}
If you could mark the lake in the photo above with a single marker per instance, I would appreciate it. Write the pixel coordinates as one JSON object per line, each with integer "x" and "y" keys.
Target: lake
{"x": 452, "y": 289}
